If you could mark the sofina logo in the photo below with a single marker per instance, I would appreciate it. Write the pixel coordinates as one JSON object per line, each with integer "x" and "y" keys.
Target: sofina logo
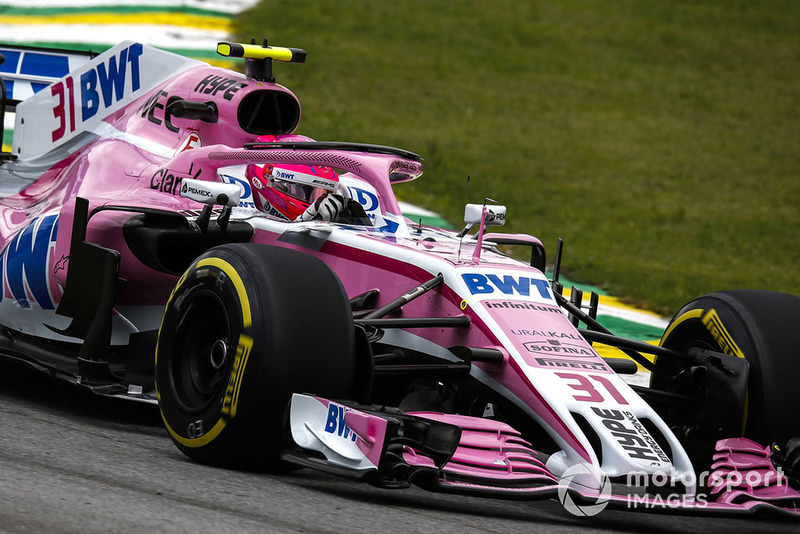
{"x": 579, "y": 478}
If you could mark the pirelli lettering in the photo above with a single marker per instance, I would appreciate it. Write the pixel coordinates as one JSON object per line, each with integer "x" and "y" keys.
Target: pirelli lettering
{"x": 231, "y": 400}
{"x": 562, "y": 363}
{"x": 713, "y": 323}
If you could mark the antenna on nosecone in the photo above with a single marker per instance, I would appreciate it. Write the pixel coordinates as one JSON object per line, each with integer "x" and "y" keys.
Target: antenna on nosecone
{"x": 463, "y": 232}
{"x": 466, "y": 229}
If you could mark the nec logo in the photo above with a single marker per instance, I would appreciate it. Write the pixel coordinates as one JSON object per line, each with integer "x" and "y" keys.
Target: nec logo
{"x": 508, "y": 285}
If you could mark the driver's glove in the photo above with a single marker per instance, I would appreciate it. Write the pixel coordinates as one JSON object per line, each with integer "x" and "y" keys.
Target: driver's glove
{"x": 325, "y": 208}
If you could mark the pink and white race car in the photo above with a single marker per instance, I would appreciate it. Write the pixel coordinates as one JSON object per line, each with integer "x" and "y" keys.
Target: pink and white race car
{"x": 155, "y": 246}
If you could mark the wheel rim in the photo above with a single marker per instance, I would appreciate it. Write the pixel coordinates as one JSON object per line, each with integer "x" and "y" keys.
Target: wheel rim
{"x": 201, "y": 355}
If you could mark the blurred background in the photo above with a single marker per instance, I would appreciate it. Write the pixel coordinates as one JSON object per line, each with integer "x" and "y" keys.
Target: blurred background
{"x": 659, "y": 139}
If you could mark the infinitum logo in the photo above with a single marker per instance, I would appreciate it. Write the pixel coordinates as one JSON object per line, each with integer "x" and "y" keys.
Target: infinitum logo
{"x": 582, "y": 478}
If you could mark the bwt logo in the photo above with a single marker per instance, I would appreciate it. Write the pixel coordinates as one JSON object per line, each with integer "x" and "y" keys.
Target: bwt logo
{"x": 111, "y": 80}
{"x": 104, "y": 85}
{"x": 25, "y": 262}
{"x": 283, "y": 175}
{"x": 336, "y": 424}
{"x": 508, "y": 285}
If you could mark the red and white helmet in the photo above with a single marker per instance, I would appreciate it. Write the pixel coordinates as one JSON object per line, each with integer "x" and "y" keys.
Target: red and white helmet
{"x": 286, "y": 191}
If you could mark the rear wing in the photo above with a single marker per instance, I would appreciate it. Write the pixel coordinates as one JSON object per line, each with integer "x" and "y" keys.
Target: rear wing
{"x": 26, "y": 70}
{"x": 79, "y": 101}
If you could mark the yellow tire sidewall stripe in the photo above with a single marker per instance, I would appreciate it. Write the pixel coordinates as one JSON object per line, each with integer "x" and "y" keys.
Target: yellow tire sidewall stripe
{"x": 230, "y": 272}
{"x": 245, "y": 343}
{"x": 205, "y": 439}
{"x": 692, "y": 314}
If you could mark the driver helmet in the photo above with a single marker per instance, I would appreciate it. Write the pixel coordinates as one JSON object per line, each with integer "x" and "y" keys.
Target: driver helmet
{"x": 286, "y": 191}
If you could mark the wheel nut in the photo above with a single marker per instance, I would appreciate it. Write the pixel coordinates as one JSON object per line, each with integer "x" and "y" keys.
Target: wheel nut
{"x": 219, "y": 352}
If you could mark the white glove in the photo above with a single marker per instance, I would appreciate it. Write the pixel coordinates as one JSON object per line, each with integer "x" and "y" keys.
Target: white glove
{"x": 325, "y": 208}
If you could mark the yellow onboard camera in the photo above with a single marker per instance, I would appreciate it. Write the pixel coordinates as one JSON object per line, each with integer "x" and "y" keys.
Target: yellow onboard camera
{"x": 259, "y": 58}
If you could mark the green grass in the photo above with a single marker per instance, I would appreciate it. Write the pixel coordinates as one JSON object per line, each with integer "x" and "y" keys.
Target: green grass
{"x": 660, "y": 139}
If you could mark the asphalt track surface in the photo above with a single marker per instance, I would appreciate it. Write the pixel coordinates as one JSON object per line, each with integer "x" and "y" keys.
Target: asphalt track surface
{"x": 74, "y": 462}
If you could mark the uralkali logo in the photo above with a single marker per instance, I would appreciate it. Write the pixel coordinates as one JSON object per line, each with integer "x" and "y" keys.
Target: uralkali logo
{"x": 581, "y": 478}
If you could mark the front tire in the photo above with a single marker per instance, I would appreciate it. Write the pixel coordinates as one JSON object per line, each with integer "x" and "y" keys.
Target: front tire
{"x": 246, "y": 326}
{"x": 760, "y": 326}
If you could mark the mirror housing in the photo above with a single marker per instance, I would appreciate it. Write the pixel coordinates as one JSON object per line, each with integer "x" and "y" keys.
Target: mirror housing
{"x": 495, "y": 214}
{"x": 211, "y": 193}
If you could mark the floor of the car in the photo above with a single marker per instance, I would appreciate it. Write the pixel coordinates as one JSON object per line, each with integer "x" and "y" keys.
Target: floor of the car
{"x": 57, "y": 359}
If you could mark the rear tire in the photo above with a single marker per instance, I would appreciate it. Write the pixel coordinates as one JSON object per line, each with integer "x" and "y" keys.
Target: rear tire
{"x": 246, "y": 326}
{"x": 764, "y": 328}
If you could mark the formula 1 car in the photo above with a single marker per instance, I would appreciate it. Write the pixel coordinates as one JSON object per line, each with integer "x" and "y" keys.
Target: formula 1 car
{"x": 142, "y": 258}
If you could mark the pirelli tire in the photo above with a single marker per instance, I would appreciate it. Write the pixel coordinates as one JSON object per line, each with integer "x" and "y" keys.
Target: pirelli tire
{"x": 760, "y": 326}
{"x": 246, "y": 326}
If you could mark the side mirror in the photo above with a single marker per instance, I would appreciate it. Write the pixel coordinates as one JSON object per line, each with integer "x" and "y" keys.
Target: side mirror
{"x": 211, "y": 193}
{"x": 495, "y": 214}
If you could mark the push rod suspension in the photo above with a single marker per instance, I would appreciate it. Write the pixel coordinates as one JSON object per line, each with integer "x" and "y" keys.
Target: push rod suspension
{"x": 597, "y": 327}
{"x": 406, "y": 298}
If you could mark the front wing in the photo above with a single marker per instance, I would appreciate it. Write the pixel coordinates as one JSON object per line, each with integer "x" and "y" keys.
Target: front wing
{"x": 478, "y": 456}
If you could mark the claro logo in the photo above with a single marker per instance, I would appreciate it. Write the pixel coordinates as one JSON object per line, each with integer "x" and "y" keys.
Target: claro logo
{"x": 168, "y": 182}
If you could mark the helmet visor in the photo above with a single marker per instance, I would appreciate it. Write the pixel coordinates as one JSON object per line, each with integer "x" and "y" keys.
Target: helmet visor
{"x": 300, "y": 185}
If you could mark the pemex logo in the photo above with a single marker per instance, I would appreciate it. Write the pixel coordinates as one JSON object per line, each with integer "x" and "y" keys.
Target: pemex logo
{"x": 582, "y": 477}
